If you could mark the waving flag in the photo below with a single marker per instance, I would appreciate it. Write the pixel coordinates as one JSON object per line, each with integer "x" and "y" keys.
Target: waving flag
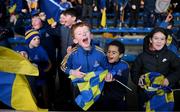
{"x": 13, "y": 62}
{"x": 14, "y": 87}
{"x": 15, "y": 6}
{"x": 161, "y": 97}
{"x": 52, "y": 9}
{"x": 103, "y": 18}
{"x": 90, "y": 88}
{"x": 12, "y": 8}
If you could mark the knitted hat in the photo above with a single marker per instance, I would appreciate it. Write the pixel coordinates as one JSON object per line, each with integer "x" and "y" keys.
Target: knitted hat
{"x": 30, "y": 34}
{"x": 35, "y": 13}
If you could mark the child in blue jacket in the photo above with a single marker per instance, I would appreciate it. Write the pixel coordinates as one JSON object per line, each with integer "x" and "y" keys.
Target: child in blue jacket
{"x": 85, "y": 57}
{"x": 114, "y": 97}
{"x": 38, "y": 56}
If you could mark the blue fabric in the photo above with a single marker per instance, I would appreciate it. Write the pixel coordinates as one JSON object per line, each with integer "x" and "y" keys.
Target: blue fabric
{"x": 51, "y": 8}
{"x": 65, "y": 5}
{"x": 34, "y": 12}
{"x": 164, "y": 24}
{"x": 161, "y": 97}
{"x": 158, "y": 104}
{"x": 6, "y": 83}
{"x": 20, "y": 48}
{"x": 90, "y": 88}
{"x": 37, "y": 54}
{"x": 173, "y": 48}
{"x": 39, "y": 57}
{"x": 19, "y": 5}
{"x": 102, "y": 4}
{"x": 120, "y": 72}
{"x": 92, "y": 60}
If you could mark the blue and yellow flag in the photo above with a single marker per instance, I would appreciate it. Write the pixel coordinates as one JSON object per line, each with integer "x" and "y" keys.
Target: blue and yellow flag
{"x": 52, "y": 9}
{"x": 90, "y": 88}
{"x": 103, "y": 18}
{"x": 13, "y": 62}
{"x": 161, "y": 97}
{"x": 15, "y": 90}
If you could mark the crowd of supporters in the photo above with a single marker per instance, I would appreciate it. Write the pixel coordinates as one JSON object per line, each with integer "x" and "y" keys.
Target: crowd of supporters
{"x": 18, "y": 17}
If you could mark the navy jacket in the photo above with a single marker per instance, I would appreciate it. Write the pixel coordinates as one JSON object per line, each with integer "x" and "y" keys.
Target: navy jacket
{"x": 39, "y": 56}
{"x": 120, "y": 72}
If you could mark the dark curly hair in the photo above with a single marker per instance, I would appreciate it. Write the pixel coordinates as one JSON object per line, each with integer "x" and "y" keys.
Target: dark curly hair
{"x": 119, "y": 44}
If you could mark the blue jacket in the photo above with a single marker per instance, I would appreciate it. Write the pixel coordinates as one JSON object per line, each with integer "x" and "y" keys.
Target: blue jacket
{"x": 39, "y": 56}
{"x": 48, "y": 43}
{"x": 120, "y": 72}
{"x": 88, "y": 60}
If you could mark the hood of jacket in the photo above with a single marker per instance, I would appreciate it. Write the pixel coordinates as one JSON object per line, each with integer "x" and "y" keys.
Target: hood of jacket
{"x": 147, "y": 50}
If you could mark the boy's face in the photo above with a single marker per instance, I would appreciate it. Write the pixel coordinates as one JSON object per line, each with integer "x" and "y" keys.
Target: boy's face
{"x": 69, "y": 20}
{"x": 62, "y": 19}
{"x": 36, "y": 23}
{"x": 82, "y": 36}
{"x": 113, "y": 54}
{"x": 35, "y": 42}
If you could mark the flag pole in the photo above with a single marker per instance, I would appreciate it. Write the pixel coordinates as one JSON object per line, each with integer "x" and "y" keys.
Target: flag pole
{"x": 123, "y": 85}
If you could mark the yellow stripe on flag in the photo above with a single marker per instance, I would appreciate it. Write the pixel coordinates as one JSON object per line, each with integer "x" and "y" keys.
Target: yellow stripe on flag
{"x": 89, "y": 76}
{"x": 13, "y": 62}
{"x": 12, "y": 9}
{"x": 88, "y": 105}
{"x": 169, "y": 40}
{"x": 102, "y": 75}
{"x": 83, "y": 86}
{"x": 22, "y": 97}
{"x": 96, "y": 91}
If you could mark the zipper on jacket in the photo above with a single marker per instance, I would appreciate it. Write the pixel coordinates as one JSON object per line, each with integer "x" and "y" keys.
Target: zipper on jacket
{"x": 157, "y": 59}
{"x": 87, "y": 61}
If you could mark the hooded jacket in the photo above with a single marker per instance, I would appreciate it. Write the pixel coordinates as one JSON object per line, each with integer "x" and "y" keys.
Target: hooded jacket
{"x": 163, "y": 61}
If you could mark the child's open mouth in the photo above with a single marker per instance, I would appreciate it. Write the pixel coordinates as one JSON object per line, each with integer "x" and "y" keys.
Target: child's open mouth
{"x": 110, "y": 58}
{"x": 85, "y": 40}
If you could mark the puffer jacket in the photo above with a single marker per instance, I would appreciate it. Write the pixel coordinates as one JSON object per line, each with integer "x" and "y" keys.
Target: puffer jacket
{"x": 164, "y": 61}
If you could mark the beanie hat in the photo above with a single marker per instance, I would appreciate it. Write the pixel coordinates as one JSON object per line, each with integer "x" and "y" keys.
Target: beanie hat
{"x": 30, "y": 34}
{"x": 35, "y": 13}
